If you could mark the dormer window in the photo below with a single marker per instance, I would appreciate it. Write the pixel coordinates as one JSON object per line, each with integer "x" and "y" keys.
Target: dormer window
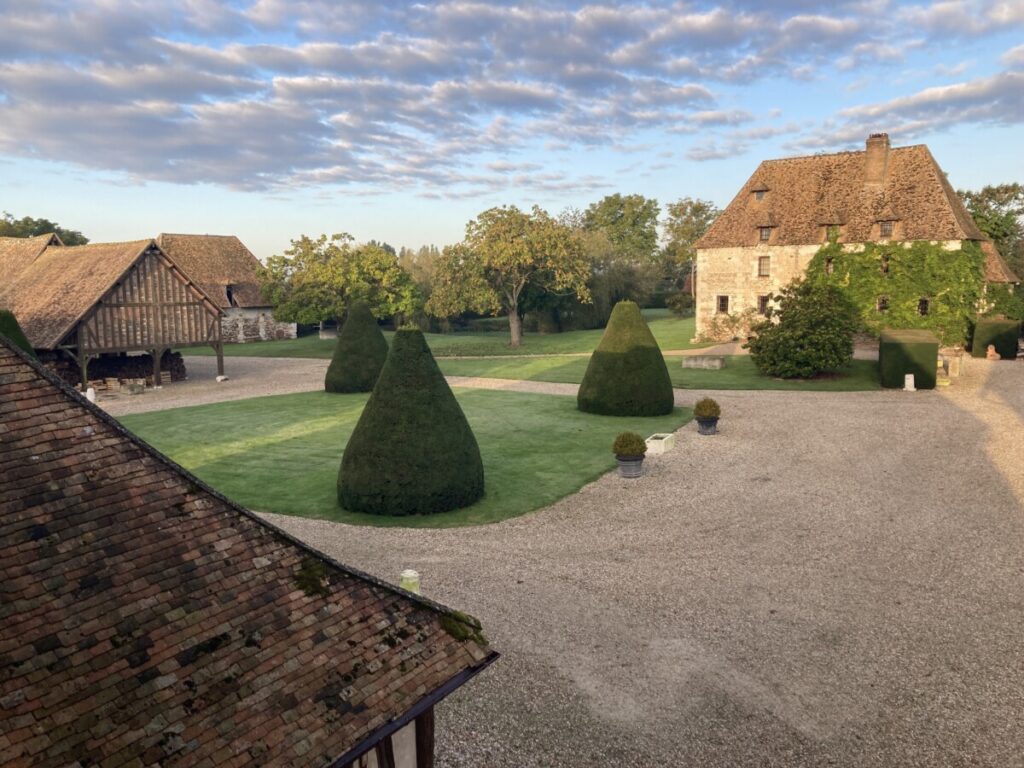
{"x": 760, "y": 193}
{"x": 885, "y": 228}
{"x": 764, "y": 234}
{"x": 230, "y": 291}
{"x": 831, "y": 233}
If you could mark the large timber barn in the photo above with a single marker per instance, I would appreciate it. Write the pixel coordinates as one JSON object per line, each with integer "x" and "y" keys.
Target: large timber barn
{"x": 105, "y": 299}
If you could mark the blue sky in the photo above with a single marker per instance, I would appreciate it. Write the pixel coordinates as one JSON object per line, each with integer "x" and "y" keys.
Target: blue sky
{"x": 401, "y": 121}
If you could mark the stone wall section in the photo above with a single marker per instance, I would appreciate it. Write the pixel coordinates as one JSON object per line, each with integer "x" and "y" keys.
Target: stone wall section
{"x": 240, "y": 326}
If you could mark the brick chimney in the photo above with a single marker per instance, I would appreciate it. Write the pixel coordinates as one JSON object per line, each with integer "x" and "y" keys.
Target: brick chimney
{"x": 876, "y": 159}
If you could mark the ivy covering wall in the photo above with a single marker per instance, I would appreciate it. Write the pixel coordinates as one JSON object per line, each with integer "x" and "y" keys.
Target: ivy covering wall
{"x": 952, "y": 282}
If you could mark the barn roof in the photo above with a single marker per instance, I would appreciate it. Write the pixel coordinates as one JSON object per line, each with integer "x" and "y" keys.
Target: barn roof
{"x": 215, "y": 262}
{"x": 16, "y": 253}
{"x": 149, "y": 620}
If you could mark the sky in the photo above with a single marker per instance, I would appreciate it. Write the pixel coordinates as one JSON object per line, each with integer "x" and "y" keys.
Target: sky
{"x": 400, "y": 122}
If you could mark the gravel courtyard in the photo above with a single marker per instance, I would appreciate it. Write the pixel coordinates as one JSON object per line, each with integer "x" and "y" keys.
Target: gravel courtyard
{"x": 835, "y": 579}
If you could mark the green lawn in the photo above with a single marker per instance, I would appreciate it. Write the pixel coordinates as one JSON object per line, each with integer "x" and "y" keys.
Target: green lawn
{"x": 281, "y": 453}
{"x": 739, "y": 373}
{"x": 670, "y": 331}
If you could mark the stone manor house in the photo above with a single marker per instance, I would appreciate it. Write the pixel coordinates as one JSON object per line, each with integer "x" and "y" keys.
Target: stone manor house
{"x": 789, "y": 208}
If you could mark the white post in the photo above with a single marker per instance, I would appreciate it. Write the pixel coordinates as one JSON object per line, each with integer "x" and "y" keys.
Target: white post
{"x": 90, "y": 395}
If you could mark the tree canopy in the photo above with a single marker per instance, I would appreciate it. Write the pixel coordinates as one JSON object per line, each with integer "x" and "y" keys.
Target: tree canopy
{"x": 505, "y": 251}
{"x": 317, "y": 280}
{"x": 630, "y": 223}
{"x": 998, "y": 211}
{"x": 26, "y": 226}
{"x": 688, "y": 219}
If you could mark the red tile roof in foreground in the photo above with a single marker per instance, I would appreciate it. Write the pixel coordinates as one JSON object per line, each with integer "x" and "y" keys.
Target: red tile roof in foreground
{"x": 146, "y": 620}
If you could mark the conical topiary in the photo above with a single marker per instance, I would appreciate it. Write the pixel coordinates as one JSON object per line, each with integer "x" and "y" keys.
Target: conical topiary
{"x": 359, "y": 353}
{"x": 412, "y": 451}
{"x": 627, "y": 375}
{"x": 9, "y": 327}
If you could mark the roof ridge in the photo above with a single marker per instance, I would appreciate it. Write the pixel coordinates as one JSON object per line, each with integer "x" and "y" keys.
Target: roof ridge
{"x": 837, "y": 154}
{"x": 78, "y": 399}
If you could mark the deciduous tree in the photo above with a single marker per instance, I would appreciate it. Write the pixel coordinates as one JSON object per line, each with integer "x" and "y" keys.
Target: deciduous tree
{"x": 29, "y": 227}
{"x": 688, "y": 219}
{"x": 505, "y": 251}
{"x": 998, "y": 211}
{"x": 630, "y": 223}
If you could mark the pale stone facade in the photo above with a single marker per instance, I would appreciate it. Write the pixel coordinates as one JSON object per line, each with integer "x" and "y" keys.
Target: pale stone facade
{"x": 243, "y": 324}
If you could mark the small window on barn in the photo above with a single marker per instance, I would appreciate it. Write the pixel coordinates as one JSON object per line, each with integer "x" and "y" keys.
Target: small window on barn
{"x": 830, "y": 266}
{"x": 723, "y": 305}
{"x": 760, "y": 193}
{"x": 923, "y": 305}
{"x": 230, "y": 291}
{"x": 762, "y": 305}
{"x": 884, "y": 264}
{"x": 885, "y": 228}
{"x": 764, "y": 266}
{"x": 764, "y": 233}
{"x": 882, "y": 305}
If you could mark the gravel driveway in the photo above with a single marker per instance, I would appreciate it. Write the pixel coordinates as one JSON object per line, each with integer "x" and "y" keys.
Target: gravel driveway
{"x": 835, "y": 579}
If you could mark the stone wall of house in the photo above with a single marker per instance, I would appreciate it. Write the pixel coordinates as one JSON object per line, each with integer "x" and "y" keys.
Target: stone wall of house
{"x": 733, "y": 272}
{"x": 243, "y": 325}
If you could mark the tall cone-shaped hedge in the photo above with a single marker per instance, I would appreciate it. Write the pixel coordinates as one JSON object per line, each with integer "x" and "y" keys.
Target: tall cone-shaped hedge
{"x": 359, "y": 353}
{"x": 9, "y": 327}
{"x": 627, "y": 375}
{"x": 412, "y": 451}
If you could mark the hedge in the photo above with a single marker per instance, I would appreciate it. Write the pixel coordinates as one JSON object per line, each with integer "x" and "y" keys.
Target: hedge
{"x": 9, "y": 327}
{"x": 627, "y": 375}
{"x": 1000, "y": 332}
{"x": 908, "y": 351}
{"x": 412, "y": 450}
{"x": 359, "y": 353}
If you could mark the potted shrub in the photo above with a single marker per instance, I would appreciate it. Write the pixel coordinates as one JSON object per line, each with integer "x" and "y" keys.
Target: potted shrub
{"x": 629, "y": 448}
{"x": 706, "y": 411}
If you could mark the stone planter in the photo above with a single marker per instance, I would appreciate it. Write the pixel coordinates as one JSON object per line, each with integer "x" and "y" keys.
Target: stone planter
{"x": 707, "y": 426}
{"x": 630, "y": 466}
{"x": 660, "y": 442}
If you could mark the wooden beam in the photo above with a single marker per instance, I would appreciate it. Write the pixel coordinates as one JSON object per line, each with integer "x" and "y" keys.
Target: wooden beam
{"x": 219, "y": 349}
{"x": 385, "y": 753}
{"x": 425, "y": 739}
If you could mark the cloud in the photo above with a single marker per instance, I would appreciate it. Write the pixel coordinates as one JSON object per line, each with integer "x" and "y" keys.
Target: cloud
{"x": 383, "y": 94}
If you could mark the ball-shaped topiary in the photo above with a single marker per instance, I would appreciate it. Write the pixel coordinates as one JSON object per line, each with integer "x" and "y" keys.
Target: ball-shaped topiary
{"x": 412, "y": 451}
{"x": 627, "y": 375}
{"x": 359, "y": 353}
{"x": 9, "y": 327}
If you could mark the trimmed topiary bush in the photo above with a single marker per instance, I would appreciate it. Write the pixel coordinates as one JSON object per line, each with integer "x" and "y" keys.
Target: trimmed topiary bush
{"x": 813, "y": 335}
{"x": 627, "y": 375}
{"x": 629, "y": 444}
{"x": 706, "y": 408}
{"x": 359, "y": 353}
{"x": 1000, "y": 332}
{"x": 908, "y": 351}
{"x": 9, "y": 327}
{"x": 412, "y": 451}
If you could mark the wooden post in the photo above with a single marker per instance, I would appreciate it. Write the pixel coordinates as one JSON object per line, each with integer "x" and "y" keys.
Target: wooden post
{"x": 157, "y": 354}
{"x": 218, "y": 347}
{"x": 385, "y": 753}
{"x": 83, "y": 367}
{"x": 425, "y": 739}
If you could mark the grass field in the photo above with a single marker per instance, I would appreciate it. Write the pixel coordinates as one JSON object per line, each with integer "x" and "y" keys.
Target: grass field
{"x": 738, "y": 373}
{"x": 670, "y": 331}
{"x": 281, "y": 453}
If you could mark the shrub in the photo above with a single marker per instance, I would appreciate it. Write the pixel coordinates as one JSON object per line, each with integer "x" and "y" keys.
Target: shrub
{"x": 412, "y": 450}
{"x": 629, "y": 444}
{"x": 9, "y": 327}
{"x": 359, "y": 353}
{"x": 908, "y": 351}
{"x": 680, "y": 303}
{"x": 627, "y": 375}
{"x": 814, "y": 332}
{"x": 706, "y": 408}
{"x": 730, "y": 327}
{"x": 1000, "y": 332}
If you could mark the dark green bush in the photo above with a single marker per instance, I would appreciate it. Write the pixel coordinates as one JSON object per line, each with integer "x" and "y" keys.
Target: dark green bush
{"x": 908, "y": 351}
{"x": 627, "y": 375}
{"x": 680, "y": 303}
{"x": 9, "y": 327}
{"x": 706, "y": 408}
{"x": 359, "y": 353}
{"x": 412, "y": 450}
{"x": 629, "y": 444}
{"x": 1000, "y": 332}
{"x": 814, "y": 332}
